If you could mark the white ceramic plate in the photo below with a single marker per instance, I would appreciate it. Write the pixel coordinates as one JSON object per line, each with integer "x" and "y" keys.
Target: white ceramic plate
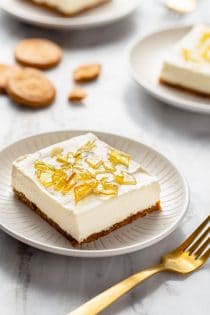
{"x": 145, "y": 61}
{"x": 105, "y": 14}
{"x": 26, "y": 226}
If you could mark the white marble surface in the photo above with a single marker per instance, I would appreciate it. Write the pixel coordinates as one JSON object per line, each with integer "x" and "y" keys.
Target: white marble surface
{"x": 34, "y": 282}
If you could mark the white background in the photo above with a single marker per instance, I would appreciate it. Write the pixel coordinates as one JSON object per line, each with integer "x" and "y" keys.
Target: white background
{"x": 36, "y": 283}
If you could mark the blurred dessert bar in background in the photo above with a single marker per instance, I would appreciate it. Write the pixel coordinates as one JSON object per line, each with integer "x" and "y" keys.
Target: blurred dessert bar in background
{"x": 187, "y": 65}
{"x": 70, "y": 7}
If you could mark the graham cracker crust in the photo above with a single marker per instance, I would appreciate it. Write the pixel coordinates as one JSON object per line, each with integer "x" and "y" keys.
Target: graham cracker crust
{"x": 185, "y": 89}
{"x": 55, "y": 10}
{"x": 94, "y": 236}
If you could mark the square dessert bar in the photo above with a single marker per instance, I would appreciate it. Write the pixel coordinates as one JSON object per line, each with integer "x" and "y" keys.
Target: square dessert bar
{"x": 69, "y": 7}
{"x": 187, "y": 65}
{"x": 85, "y": 188}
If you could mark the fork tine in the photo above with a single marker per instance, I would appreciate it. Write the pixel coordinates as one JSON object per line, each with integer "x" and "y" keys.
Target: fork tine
{"x": 200, "y": 251}
{"x": 192, "y": 237}
{"x": 206, "y": 256}
{"x": 198, "y": 242}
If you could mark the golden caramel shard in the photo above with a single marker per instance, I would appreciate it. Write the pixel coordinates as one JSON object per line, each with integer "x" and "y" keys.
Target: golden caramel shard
{"x": 118, "y": 157}
{"x": 188, "y": 55}
{"x": 124, "y": 178}
{"x": 56, "y": 151}
{"x": 83, "y": 190}
{"x": 87, "y": 72}
{"x": 42, "y": 166}
{"x": 84, "y": 175}
{"x": 59, "y": 179}
{"x": 62, "y": 159}
{"x": 94, "y": 162}
{"x": 205, "y": 54}
{"x": 88, "y": 147}
{"x": 109, "y": 167}
{"x": 205, "y": 37}
{"x": 107, "y": 189}
{"x": 70, "y": 183}
{"x": 45, "y": 178}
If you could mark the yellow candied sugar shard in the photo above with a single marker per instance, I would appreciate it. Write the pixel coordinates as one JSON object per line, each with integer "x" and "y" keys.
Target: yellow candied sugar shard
{"x": 59, "y": 178}
{"x": 205, "y": 54}
{"x": 84, "y": 175}
{"x": 118, "y": 157}
{"x": 70, "y": 183}
{"x": 87, "y": 147}
{"x": 45, "y": 179}
{"x": 104, "y": 179}
{"x": 110, "y": 186}
{"x": 65, "y": 158}
{"x": 109, "y": 167}
{"x": 94, "y": 162}
{"x": 66, "y": 166}
{"x": 42, "y": 166}
{"x": 83, "y": 190}
{"x": 107, "y": 189}
{"x": 70, "y": 155}
{"x": 124, "y": 178}
{"x": 56, "y": 151}
{"x": 187, "y": 55}
{"x": 62, "y": 159}
{"x": 100, "y": 172}
{"x": 205, "y": 37}
{"x": 119, "y": 178}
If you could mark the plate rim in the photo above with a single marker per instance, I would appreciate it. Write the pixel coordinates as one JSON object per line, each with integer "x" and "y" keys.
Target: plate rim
{"x": 186, "y": 105}
{"x": 75, "y": 23}
{"x": 101, "y": 252}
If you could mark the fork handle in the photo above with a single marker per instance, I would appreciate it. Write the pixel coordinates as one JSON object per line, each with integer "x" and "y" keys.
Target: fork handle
{"x": 106, "y": 298}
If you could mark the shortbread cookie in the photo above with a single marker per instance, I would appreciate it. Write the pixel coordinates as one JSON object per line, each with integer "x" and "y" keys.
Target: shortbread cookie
{"x": 77, "y": 95}
{"x": 6, "y": 72}
{"x": 31, "y": 88}
{"x": 38, "y": 53}
{"x": 87, "y": 72}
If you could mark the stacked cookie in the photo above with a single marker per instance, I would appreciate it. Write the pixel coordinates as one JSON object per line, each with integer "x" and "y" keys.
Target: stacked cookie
{"x": 26, "y": 84}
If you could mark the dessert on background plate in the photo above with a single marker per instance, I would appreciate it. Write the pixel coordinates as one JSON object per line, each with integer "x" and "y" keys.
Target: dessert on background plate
{"x": 187, "y": 66}
{"x": 85, "y": 188}
{"x": 69, "y": 7}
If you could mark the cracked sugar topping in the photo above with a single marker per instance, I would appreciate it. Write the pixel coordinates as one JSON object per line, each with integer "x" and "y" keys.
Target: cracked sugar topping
{"x": 83, "y": 172}
{"x": 200, "y": 52}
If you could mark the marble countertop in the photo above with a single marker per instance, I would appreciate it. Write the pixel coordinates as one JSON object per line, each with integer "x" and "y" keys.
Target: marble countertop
{"x": 34, "y": 282}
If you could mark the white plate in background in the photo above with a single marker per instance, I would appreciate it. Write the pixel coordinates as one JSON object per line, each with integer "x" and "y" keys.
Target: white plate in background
{"x": 23, "y": 224}
{"x": 145, "y": 62}
{"x": 102, "y": 15}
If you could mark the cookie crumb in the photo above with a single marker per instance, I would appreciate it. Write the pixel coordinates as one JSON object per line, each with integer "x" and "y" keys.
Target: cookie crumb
{"x": 77, "y": 95}
{"x": 87, "y": 72}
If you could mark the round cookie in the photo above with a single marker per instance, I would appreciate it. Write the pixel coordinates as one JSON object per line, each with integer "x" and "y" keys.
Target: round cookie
{"x": 6, "y": 72}
{"x": 38, "y": 53}
{"x": 31, "y": 88}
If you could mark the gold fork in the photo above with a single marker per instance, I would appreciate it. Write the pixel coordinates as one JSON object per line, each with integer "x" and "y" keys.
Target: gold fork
{"x": 188, "y": 257}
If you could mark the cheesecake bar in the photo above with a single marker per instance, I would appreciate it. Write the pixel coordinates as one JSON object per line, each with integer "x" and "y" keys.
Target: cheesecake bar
{"x": 84, "y": 187}
{"x": 69, "y": 7}
{"x": 187, "y": 65}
